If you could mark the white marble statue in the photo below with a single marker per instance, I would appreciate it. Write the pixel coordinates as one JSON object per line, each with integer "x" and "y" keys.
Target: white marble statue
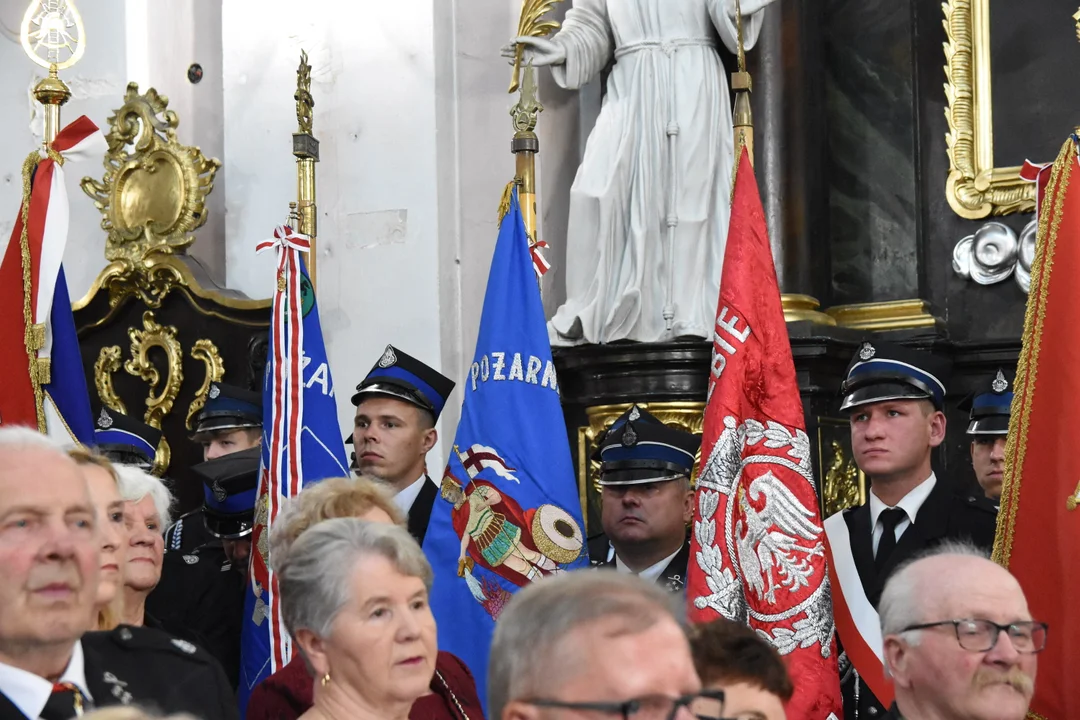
{"x": 649, "y": 206}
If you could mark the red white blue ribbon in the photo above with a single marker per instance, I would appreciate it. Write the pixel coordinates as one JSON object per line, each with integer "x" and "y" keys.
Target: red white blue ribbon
{"x": 282, "y": 478}
{"x": 540, "y": 263}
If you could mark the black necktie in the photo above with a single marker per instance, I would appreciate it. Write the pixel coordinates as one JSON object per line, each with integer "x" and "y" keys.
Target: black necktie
{"x": 65, "y": 703}
{"x": 889, "y": 519}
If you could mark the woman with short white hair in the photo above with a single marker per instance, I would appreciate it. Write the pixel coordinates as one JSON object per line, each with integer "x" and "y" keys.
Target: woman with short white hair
{"x": 147, "y": 504}
{"x": 354, "y": 596}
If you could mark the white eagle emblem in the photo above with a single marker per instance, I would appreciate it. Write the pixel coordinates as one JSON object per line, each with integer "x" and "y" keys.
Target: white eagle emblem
{"x": 773, "y": 558}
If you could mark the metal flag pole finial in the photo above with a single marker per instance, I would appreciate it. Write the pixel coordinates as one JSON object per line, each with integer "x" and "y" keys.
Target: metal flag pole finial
{"x": 306, "y": 151}
{"x": 53, "y": 36}
{"x": 742, "y": 85}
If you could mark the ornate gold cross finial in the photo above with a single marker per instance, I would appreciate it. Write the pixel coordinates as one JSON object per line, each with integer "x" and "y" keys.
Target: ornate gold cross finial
{"x": 52, "y": 34}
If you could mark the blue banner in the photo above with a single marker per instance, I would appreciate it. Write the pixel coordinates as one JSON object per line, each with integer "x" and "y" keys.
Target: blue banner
{"x": 66, "y": 394}
{"x": 508, "y": 511}
{"x": 322, "y": 456}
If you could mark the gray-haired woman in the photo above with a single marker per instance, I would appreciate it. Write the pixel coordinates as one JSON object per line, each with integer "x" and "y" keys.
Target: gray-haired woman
{"x": 147, "y": 505}
{"x": 354, "y": 596}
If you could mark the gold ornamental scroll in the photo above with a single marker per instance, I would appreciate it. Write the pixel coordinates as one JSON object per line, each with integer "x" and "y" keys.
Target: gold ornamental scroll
{"x": 306, "y": 151}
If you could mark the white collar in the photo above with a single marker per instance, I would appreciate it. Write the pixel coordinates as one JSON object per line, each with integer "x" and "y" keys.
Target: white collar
{"x": 405, "y": 498}
{"x": 29, "y": 692}
{"x": 650, "y": 573}
{"x": 910, "y": 503}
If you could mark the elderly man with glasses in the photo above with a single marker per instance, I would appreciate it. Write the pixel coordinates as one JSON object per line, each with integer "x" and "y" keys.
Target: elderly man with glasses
{"x": 599, "y": 644}
{"x": 958, "y": 639}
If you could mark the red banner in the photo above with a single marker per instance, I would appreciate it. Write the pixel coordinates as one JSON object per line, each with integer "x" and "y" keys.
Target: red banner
{"x": 1039, "y": 525}
{"x": 758, "y": 548}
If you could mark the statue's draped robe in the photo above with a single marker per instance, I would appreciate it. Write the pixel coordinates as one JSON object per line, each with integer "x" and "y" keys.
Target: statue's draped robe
{"x": 668, "y": 78}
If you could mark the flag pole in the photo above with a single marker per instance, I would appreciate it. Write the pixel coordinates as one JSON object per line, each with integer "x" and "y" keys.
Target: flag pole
{"x": 45, "y": 34}
{"x": 742, "y": 85}
{"x": 306, "y": 151}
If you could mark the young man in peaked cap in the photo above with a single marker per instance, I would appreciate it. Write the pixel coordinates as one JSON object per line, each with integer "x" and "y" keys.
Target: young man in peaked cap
{"x": 230, "y": 421}
{"x": 397, "y": 406}
{"x": 646, "y": 499}
{"x": 988, "y": 427}
{"x": 126, "y": 440}
{"x": 895, "y": 398}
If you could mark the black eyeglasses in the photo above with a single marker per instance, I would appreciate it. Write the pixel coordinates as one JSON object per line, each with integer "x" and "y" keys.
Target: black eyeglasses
{"x": 982, "y": 635}
{"x": 708, "y": 705}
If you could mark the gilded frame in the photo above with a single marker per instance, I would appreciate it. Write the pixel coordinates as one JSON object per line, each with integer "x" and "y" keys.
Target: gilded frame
{"x": 975, "y": 188}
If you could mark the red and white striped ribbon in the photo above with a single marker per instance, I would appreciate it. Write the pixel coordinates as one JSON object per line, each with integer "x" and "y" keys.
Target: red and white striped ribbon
{"x": 284, "y": 477}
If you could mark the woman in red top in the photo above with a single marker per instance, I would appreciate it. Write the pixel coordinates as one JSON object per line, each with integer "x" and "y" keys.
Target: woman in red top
{"x": 289, "y": 693}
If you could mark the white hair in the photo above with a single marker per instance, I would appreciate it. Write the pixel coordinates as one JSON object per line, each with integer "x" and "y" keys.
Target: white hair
{"x": 20, "y": 437}
{"x": 543, "y": 613}
{"x": 902, "y": 600}
{"x": 316, "y": 574}
{"x": 135, "y": 484}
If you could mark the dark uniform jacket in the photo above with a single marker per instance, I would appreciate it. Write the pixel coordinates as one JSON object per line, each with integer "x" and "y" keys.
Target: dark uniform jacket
{"x": 288, "y": 693}
{"x": 138, "y": 665}
{"x": 420, "y": 512}
{"x": 943, "y": 516}
{"x": 200, "y": 598}
{"x": 672, "y": 578}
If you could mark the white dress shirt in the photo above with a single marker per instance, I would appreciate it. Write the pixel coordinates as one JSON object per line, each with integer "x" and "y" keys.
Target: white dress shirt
{"x": 405, "y": 499}
{"x": 910, "y": 504}
{"x": 650, "y": 573}
{"x": 29, "y": 692}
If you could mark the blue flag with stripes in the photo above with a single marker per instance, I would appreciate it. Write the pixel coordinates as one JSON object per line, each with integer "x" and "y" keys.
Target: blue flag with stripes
{"x": 301, "y": 444}
{"x": 508, "y": 511}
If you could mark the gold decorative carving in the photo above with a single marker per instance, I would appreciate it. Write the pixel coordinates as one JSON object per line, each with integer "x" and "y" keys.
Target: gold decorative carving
{"x": 687, "y": 416}
{"x": 892, "y": 315}
{"x": 107, "y": 363}
{"x": 842, "y": 485}
{"x": 153, "y": 197}
{"x": 158, "y": 406}
{"x": 206, "y": 351}
{"x": 803, "y": 307}
{"x": 975, "y": 188}
{"x": 530, "y": 24}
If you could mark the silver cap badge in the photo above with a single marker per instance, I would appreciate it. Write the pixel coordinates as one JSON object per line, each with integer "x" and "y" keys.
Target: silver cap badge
{"x": 388, "y": 358}
{"x": 1000, "y": 384}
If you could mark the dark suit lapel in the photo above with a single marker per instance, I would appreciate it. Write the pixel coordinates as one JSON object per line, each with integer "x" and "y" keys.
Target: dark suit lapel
{"x": 420, "y": 512}
{"x": 8, "y": 711}
{"x": 674, "y": 575}
{"x": 930, "y": 524}
{"x": 862, "y": 549}
{"x": 105, "y": 686}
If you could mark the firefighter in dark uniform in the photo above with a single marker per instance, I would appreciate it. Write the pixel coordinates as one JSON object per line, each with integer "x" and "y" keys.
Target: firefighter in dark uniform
{"x": 397, "y": 407}
{"x": 895, "y": 397}
{"x": 126, "y": 440}
{"x": 646, "y": 499}
{"x": 988, "y": 426}
{"x": 230, "y": 421}
{"x": 201, "y": 593}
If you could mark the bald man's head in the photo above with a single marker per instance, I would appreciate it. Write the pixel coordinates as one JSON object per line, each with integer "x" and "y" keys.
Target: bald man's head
{"x": 941, "y": 619}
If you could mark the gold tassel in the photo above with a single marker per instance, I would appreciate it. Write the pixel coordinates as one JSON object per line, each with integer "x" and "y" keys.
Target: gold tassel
{"x": 504, "y": 202}
{"x": 31, "y": 339}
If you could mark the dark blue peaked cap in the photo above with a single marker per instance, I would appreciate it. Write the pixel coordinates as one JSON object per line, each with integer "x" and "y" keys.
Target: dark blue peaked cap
{"x": 229, "y": 408}
{"x": 883, "y": 371}
{"x": 990, "y": 406}
{"x": 124, "y": 439}
{"x": 404, "y": 377}
{"x": 638, "y": 449}
{"x": 230, "y": 489}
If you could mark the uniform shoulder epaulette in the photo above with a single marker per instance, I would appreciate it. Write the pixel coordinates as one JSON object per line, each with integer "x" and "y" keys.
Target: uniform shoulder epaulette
{"x": 131, "y": 637}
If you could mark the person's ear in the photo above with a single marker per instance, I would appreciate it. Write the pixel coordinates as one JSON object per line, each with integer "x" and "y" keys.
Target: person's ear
{"x": 937, "y": 428}
{"x": 515, "y": 710}
{"x": 431, "y": 436}
{"x": 314, "y": 649}
{"x": 896, "y": 654}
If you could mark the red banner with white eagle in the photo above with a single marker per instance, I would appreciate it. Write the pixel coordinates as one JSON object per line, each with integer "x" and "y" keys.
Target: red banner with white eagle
{"x": 757, "y": 547}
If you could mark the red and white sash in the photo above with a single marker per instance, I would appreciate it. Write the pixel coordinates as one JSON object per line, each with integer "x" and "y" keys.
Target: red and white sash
{"x": 857, "y": 621}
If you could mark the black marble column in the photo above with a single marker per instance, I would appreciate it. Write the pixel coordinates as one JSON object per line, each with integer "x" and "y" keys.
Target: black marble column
{"x": 790, "y": 144}
{"x": 869, "y": 67}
